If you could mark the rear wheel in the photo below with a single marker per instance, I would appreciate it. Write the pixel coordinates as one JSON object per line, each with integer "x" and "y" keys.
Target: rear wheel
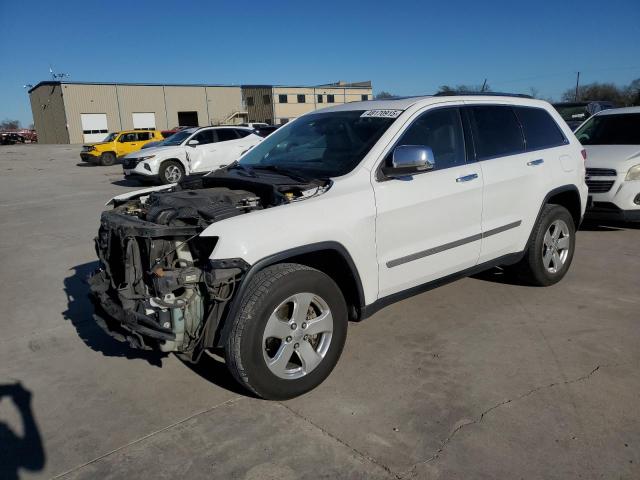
{"x": 171, "y": 172}
{"x": 107, "y": 159}
{"x": 551, "y": 248}
{"x": 289, "y": 332}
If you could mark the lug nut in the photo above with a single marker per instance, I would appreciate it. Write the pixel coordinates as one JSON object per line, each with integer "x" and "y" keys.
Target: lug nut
{"x": 296, "y": 346}
{"x": 306, "y": 337}
{"x": 304, "y": 325}
{"x": 293, "y": 326}
{"x": 288, "y": 339}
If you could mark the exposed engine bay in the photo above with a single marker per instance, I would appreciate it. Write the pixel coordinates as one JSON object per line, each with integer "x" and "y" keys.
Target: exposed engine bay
{"x": 156, "y": 287}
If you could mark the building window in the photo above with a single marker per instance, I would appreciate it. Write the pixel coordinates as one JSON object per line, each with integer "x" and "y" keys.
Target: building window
{"x": 282, "y": 99}
{"x": 331, "y": 99}
{"x": 266, "y": 99}
{"x": 302, "y": 98}
{"x": 320, "y": 98}
{"x": 250, "y": 101}
{"x": 364, "y": 97}
{"x": 283, "y": 121}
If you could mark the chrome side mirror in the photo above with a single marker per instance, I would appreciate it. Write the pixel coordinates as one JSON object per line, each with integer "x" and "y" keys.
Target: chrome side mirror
{"x": 409, "y": 160}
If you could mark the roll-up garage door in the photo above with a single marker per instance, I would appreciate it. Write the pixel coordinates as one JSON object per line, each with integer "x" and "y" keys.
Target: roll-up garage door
{"x": 94, "y": 126}
{"x": 144, "y": 120}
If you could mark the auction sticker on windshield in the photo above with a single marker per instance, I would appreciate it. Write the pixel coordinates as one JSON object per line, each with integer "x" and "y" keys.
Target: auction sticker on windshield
{"x": 382, "y": 113}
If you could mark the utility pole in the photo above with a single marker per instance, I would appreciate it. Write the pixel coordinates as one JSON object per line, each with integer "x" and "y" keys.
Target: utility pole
{"x": 575, "y": 99}
{"x": 484, "y": 84}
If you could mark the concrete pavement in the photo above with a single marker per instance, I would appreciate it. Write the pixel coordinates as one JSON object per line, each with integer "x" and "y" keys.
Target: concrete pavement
{"x": 482, "y": 378}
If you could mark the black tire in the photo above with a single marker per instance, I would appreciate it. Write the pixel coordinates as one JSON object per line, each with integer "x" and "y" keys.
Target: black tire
{"x": 167, "y": 168}
{"x": 532, "y": 267}
{"x": 107, "y": 159}
{"x": 244, "y": 347}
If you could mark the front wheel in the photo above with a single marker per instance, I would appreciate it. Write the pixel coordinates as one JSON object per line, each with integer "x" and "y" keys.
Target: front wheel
{"x": 289, "y": 332}
{"x": 107, "y": 159}
{"x": 171, "y": 172}
{"x": 551, "y": 248}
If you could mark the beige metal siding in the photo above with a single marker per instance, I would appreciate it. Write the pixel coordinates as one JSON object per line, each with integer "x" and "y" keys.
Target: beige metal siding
{"x": 292, "y": 109}
{"x": 138, "y": 99}
{"x": 47, "y": 106}
{"x": 259, "y": 111}
{"x": 225, "y": 105}
{"x": 80, "y": 99}
{"x": 186, "y": 99}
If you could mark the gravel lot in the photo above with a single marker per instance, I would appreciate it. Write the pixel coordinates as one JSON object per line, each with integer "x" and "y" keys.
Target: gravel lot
{"x": 481, "y": 378}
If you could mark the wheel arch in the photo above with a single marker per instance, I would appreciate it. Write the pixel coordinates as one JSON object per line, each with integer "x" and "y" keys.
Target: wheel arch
{"x": 567, "y": 196}
{"x": 331, "y": 258}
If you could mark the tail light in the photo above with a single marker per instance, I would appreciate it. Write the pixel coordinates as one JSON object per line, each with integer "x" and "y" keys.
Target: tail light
{"x": 584, "y": 154}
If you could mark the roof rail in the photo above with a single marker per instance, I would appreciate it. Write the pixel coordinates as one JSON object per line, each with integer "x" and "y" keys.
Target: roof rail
{"x": 484, "y": 94}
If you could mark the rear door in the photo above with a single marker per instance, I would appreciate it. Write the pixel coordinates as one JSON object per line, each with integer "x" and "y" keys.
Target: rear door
{"x": 428, "y": 225}
{"x": 516, "y": 179}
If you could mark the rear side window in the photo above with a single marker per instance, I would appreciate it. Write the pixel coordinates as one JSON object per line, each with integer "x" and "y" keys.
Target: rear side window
{"x": 540, "y": 130}
{"x": 242, "y": 133}
{"x": 225, "y": 134}
{"x": 143, "y": 136}
{"x": 496, "y": 131}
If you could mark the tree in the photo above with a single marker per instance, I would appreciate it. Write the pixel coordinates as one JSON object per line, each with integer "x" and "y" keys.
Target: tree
{"x": 7, "y": 124}
{"x": 607, "y": 92}
{"x": 383, "y": 95}
{"x": 464, "y": 88}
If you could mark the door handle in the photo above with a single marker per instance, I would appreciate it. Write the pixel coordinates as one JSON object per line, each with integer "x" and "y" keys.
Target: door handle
{"x": 467, "y": 178}
{"x": 533, "y": 163}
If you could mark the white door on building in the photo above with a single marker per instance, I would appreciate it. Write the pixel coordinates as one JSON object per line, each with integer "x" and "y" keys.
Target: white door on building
{"x": 94, "y": 126}
{"x": 144, "y": 120}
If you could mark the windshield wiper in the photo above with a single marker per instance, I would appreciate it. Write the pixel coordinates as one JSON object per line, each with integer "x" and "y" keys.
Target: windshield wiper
{"x": 283, "y": 171}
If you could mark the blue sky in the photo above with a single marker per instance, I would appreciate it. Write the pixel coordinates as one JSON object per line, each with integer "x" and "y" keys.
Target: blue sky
{"x": 404, "y": 47}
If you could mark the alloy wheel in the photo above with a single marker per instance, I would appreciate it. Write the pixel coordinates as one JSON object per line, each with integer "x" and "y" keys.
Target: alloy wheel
{"x": 297, "y": 335}
{"x": 555, "y": 246}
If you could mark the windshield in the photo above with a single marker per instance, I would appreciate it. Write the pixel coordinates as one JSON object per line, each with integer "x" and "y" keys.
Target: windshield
{"x": 319, "y": 145}
{"x": 111, "y": 137}
{"x": 178, "y": 138}
{"x": 620, "y": 129}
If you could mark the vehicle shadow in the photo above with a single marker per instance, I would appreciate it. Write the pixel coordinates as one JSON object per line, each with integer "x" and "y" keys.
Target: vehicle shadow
{"x": 607, "y": 226}
{"x": 215, "y": 371}
{"x": 125, "y": 182}
{"x": 80, "y": 313}
{"x": 24, "y": 451}
{"x": 501, "y": 275}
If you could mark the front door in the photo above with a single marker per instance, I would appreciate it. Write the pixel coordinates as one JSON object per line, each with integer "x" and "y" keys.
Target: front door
{"x": 127, "y": 143}
{"x": 428, "y": 225}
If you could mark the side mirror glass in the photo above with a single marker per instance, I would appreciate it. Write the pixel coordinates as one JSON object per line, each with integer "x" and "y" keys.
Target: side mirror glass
{"x": 409, "y": 160}
{"x": 193, "y": 143}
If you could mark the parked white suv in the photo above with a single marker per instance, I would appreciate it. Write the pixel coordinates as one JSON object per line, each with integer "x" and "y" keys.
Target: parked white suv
{"x": 192, "y": 150}
{"x": 612, "y": 141}
{"x": 330, "y": 218}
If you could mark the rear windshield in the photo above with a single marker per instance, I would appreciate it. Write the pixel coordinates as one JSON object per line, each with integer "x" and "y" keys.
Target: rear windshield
{"x": 619, "y": 129}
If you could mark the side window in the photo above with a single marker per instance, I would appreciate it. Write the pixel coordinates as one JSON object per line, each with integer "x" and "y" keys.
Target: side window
{"x": 442, "y": 131}
{"x": 302, "y": 98}
{"x": 144, "y": 136}
{"x": 331, "y": 98}
{"x": 496, "y": 131}
{"x": 128, "y": 137}
{"x": 204, "y": 137}
{"x": 242, "y": 133}
{"x": 282, "y": 99}
{"x": 540, "y": 130}
{"x": 226, "y": 134}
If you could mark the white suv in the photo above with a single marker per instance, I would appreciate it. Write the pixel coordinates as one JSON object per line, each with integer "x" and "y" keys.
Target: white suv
{"x": 612, "y": 141}
{"x": 192, "y": 150}
{"x": 332, "y": 217}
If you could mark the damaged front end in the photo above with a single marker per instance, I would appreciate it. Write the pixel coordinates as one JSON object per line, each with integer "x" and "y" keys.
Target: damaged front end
{"x": 156, "y": 287}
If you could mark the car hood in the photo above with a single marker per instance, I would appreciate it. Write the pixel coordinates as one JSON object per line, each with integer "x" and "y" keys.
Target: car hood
{"x": 618, "y": 157}
{"x": 159, "y": 150}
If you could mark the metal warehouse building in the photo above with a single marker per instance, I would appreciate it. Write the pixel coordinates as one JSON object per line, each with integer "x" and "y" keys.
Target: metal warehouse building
{"x": 77, "y": 112}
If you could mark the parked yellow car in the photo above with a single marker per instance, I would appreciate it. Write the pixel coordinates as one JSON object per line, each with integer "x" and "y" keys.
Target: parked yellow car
{"x": 118, "y": 144}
